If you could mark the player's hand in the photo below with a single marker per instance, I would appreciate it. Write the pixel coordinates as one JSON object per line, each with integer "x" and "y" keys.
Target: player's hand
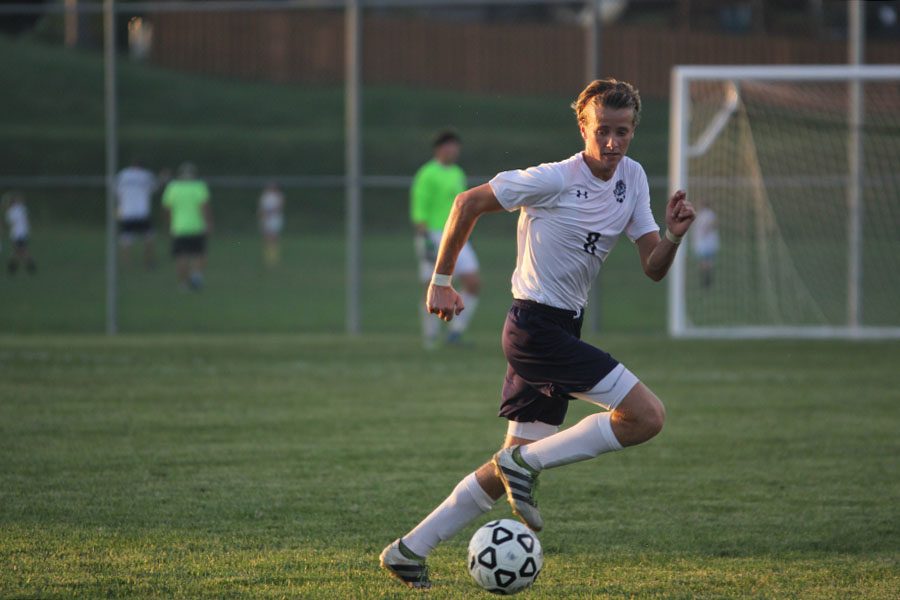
{"x": 679, "y": 213}
{"x": 444, "y": 302}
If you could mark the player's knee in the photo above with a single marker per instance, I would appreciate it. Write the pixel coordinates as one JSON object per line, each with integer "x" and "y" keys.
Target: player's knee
{"x": 638, "y": 419}
{"x": 654, "y": 418}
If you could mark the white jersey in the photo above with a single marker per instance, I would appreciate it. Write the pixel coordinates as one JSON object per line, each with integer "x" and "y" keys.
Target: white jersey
{"x": 271, "y": 207}
{"x": 705, "y": 234}
{"x": 134, "y": 189}
{"x": 569, "y": 222}
{"x": 17, "y": 219}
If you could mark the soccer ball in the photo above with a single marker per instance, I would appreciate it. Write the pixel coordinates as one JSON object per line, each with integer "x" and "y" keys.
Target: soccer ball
{"x": 505, "y": 557}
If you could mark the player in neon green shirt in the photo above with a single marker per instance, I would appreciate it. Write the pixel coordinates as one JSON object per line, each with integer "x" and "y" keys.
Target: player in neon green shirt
{"x": 186, "y": 203}
{"x": 435, "y": 187}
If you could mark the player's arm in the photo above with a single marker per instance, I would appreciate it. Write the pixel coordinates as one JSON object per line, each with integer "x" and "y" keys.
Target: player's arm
{"x": 443, "y": 300}
{"x": 658, "y": 253}
{"x": 418, "y": 215}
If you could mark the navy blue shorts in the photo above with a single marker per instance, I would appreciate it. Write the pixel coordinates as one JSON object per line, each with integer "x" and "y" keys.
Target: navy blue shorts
{"x": 547, "y": 362}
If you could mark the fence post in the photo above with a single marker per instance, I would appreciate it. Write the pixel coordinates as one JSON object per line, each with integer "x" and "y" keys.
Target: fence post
{"x": 109, "y": 64}
{"x": 353, "y": 154}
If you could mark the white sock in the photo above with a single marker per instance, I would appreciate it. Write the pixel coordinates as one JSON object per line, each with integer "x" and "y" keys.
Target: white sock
{"x": 461, "y": 322}
{"x": 590, "y": 437}
{"x": 465, "y": 503}
{"x": 431, "y": 324}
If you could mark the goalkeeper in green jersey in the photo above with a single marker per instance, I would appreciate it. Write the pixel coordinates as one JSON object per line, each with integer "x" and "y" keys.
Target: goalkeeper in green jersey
{"x": 435, "y": 187}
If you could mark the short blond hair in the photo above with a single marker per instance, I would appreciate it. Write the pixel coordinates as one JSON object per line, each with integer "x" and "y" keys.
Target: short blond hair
{"x": 611, "y": 93}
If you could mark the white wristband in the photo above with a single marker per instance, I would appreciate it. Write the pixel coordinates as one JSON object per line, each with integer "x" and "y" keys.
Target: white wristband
{"x": 441, "y": 280}
{"x": 675, "y": 239}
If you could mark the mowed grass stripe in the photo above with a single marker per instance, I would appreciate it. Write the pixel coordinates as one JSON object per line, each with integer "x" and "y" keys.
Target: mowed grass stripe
{"x": 276, "y": 466}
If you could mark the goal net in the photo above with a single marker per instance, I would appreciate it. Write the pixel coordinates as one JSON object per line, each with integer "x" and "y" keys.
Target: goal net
{"x": 795, "y": 172}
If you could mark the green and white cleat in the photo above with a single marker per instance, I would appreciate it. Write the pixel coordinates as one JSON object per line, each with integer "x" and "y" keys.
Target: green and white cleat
{"x": 405, "y": 565}
{"x": 520, "y": 481}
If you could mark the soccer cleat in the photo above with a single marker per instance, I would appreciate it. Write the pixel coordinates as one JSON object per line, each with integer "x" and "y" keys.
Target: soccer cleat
{"x": 520, "y": 481}
{"x": 405, "y": 565}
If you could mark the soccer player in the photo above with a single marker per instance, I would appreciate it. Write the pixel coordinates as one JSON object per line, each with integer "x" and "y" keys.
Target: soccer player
{"x": 435, "y": 186}
{"x": 271, "y": 221}
{"x": 19, "y": 232}
{"x": 187, "y": 205}
{"x": 705, "y": 244}
{"x": 134, "y": 189}
{"x": 570, "y": 215}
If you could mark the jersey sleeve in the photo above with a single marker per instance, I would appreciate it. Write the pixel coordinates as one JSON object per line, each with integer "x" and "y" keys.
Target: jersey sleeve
{"x": 642, "y": 221}
{"x": 204, "y": 193}
{"x": 537, "y": 187}
{"x": 418, "y": 198}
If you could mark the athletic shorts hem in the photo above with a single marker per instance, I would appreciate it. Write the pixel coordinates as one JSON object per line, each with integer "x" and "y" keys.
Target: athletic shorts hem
{"x": 611, "y": 390}
{"x": 136, "y": 226}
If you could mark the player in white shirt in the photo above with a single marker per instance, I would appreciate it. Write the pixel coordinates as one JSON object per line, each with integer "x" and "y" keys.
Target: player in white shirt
{"x": 135, "y": 187}
{"x": 271, "y": 221}
{"x": 19, "y": 233}
{"x": 705, "y": 244}
{"x": 571, "y": 214}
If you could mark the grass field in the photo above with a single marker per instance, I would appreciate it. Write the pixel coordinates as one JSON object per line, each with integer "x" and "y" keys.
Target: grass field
{"x": 305, "y": 294}
{"x": 265, "y": 466}
{"x": 233, "y": 444}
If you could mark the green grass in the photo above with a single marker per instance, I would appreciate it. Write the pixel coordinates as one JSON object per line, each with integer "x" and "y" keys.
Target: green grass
{"x": 279, "y": 466}
{"x": 304, "y": 294}
{"x": 52, "y": 122}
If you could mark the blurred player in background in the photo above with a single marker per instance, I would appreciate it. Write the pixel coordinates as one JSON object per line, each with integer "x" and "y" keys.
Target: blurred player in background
{"x": 571, "y": 213}
{"x": 186, "y": 202}
{"x": 434, "y": 188}
{"x": 135, "y": 186}
{"x": 705, "y": 244}
{"x": 271, "y": 221}
{"x": 19, "y": 231}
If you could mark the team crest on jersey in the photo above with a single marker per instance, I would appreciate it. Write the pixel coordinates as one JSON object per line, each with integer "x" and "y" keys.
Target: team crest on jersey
{"x": 619, "y": 191}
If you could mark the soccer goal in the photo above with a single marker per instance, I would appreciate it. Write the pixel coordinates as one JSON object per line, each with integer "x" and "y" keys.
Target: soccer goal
{"x": 795, "y": 172}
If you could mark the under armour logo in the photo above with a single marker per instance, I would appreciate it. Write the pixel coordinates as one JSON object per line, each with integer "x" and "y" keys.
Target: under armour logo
{"x": 581, "y": 194}
{"x": 591, "y": 245}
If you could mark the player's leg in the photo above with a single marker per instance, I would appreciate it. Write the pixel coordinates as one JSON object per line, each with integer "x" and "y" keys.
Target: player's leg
{"x": 182, "y": 262}
{"x": 431, "y": 324}
{"x": 12, "y": 265}
{"x": 473, "y": 496}
{"x": 271, "y": 254}
{"x": 470, "y": 286}
{"x": 197, "y": 261}
{"x": 126, "y": 238}
{"x": 543, "y": 348}
{"x": 149, "y": 246}
{"x": 636, "y": 416}
{"x": 197, "y": 269}
{"x": 26, "y": 258}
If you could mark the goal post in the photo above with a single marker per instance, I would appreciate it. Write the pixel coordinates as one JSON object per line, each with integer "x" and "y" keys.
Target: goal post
{"x": 793, "y": 170}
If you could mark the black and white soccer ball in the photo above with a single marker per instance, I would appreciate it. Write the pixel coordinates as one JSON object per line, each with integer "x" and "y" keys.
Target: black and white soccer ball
{"x": 505, "y": 557}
